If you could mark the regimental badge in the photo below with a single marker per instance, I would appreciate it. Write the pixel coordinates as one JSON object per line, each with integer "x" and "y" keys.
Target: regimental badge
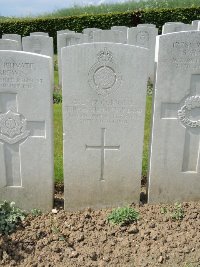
{"x": 104, "y": 76}
{"x": 13, "y": 127}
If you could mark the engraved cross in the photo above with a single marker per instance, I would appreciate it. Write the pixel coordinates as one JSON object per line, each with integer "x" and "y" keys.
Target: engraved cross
{"x": 14, "y": 130}
{"x": 103, "y": 148}
{"x": 185, "y": 111}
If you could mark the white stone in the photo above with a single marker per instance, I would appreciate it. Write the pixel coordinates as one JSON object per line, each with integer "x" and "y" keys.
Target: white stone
{"x": 89, "y": 32}
{"x": 67, "y": 39}
{"x": 64, "y": 31}
{"x": 195, "y": 24}
{"x": 26, "y": 134}
{"x": 12, "y": 36}
{"x": 104, "y": 92}
{"x": 112, "y": 36}
{"x": 145, "y": 36}
{"x": 146, "y": 25}
{"x": 8, "y": 44}
{"x": 38, "y": 44}
{"x": 170, "y": 27}
{"x": 123, "y": 29}
{"x": 39, "y": 33}
{"x": 174, "y": 163}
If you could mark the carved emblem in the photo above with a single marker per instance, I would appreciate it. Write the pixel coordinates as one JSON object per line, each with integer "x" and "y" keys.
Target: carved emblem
{"x": 190, "y": 103}
{"x": 142, "y": 38}
{"x": 104, "y": 76}
{"x": 13, "y": 127}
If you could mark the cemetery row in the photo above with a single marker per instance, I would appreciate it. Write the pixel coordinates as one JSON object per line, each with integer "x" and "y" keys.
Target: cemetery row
{"x": 104, "y": 92}
{"x": 144, "y": 35}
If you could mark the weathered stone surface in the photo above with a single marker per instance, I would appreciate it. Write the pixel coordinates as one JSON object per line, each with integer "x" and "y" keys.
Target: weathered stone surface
{"x": 145, "y": 36}
{"x": 39, "y": 44}
{"x": 170, "y": 27}
{"x": 39, "y": 33}
{"x": 8, "y": 44}
{"x": 103, "y": 116}
{"x": 89, "y": 32}
{"x": 67, "y": 39}
{"x": 12, "y": 36}
{"x": 195, "y": 24}
{"x": 26, "y": 135}
{"x": 112, "y": 36}
{"x": 174, "y": 163}
{"x": 123, "y": 29}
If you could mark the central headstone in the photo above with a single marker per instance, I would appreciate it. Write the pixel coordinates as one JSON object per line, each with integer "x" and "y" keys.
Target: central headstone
{"x": 103, "y": 115}
{"x": 26, "y": 141}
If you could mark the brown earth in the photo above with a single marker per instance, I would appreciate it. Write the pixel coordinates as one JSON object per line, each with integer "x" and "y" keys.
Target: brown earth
{"x": 87, "y": 239}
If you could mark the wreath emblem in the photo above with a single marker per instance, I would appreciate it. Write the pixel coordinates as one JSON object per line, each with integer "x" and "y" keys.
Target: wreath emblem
{"x": 190, "y": 103}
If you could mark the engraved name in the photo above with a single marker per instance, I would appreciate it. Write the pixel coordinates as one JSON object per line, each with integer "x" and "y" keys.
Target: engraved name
{"x": 103, "y": 111}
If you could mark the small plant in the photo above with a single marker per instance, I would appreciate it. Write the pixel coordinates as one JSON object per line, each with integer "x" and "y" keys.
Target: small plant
{"x": 178, "y": 212}
{"x": 36, "y": 212}
{"x": 149, "y": 87}
{"x": 163, "y": 210}
{"x": 124, "y": 215}
{"x": 10, "y": 216}
{"x": 57, "y": 97}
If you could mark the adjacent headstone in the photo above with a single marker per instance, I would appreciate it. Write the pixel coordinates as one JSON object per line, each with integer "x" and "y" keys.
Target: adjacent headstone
{"x": 67, "y": 39}
{"x": 38, "y": 44}
{"x": 195, "y": 24}
{"x": 146, "y": 25}
{"x": 26, "y": 135}
{"x": 170, "y": 27}
{"x": 65, "y": 31}
{"x": 145, "y": 36}
{"x": 123, "y": 29}
{"x": 109, "y": 36}
{"x": 7, "y": 44}
{"x": 104, "y": 92}
{"x": 174, "y": 164}
{"x": 39, "y": 33}
{"x": 89, "y": 32}
{"x": 12, "y": 36}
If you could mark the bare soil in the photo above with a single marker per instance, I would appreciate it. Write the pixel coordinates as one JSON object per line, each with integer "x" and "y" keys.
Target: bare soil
{"x": 86, "y": 238}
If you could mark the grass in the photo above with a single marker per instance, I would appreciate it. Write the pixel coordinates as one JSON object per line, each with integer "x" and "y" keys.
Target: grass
{"x": 147, "y": 128}
{"x": 58, "y": 143}
{"x": 122, "y": 7}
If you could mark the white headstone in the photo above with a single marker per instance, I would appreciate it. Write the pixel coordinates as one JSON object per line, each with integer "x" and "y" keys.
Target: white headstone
{"x": 67, "y": 39}
{"x": 38, "y": 44}
{"x": 109, "y": 36}
{"x": 123, "y": 29}
{"x": 174, "y": 164}
{"x": 12, "y": 36}
{"x": 89, "y": 32}
{"x": 170, "y": 27}
{"x": 195, "y": 24}
{"x": 145, "y": 36}
{"x": 64, "y": 31}
{"x": 8, "y": 44}
{"x": 103, "y": 113}
{"x": 39, "y": 33}
{"x": 146, "y": 25}
{"x": 26, "y": 136}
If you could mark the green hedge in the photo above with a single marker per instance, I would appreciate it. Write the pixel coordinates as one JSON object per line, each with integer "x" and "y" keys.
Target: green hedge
{"x": 103, "y": 21}
{"x": 160, "y": 16}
